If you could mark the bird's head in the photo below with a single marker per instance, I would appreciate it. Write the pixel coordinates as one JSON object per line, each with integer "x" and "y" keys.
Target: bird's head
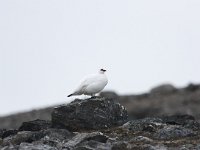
{"x": 102, "y": 71}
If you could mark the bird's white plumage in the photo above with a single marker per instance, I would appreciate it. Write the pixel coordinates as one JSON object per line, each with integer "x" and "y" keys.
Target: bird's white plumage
{"x": 92, "y": 84}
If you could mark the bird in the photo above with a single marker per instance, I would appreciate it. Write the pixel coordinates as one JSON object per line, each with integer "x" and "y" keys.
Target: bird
{"x": 91, "y": 84}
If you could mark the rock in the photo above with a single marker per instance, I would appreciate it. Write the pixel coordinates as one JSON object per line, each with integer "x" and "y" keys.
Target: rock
{"x": 177, "y": 119}
{"x": 1, "y": 141}
{"x": 35, "y": 125}
{"x": 1, "y": 132}
{"x": 58, "y": 134}
{"x": 32, "y": 146}
{"x": 146, "y": 124}
{"x": 14, "y": 121}
{"x": 186, "y": 121}
{"x": 83, "y": 140}
{"x": 160, "y": 130}
{"x": 93, "y": 113}
{"x": 141, "y": 139}
{"x": 148, "y": 147}
{"x": 56, "y": 137}
{"x": 120, "y": 146}
{"x": 192, "y": 87}
{"x": 93, "y": 145}
{"x": 173, "y": 132}
{"x": 7, "y": 133}
{"x": 110, "y": 95}
{"x": 170, "y": 132}
{"x": 163, "y": 89}
{"x": 172, "y": 102}
{"x": 10, "y": 147}
{"x": 23, "y": 136}
{"x": 100, "y": 123}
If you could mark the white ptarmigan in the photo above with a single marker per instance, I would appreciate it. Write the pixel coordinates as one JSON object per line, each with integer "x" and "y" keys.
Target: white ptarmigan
{"x": 92, "y": 84}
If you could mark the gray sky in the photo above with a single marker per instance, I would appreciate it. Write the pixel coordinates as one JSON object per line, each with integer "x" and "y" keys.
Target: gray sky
{"x": 47, "y": 46}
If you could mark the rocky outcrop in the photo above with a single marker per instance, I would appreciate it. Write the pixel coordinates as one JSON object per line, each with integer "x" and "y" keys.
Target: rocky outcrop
{"x": 101, "y": 123}
{"x": 148, "y": 133}
{"x": 161, "y": 100}
{"x": 35, "y": 125}
{"x": 15, "y": 120}
{"x": 93, "y": 113}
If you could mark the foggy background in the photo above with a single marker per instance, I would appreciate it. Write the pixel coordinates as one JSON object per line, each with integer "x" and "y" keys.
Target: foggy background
{"x": 47, "y": 46}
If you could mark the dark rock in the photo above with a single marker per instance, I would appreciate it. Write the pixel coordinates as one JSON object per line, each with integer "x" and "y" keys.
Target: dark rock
{"x": 173, "y": 132}
{"x": 55, "y": 137}
{"x": 186, "y": 121}
{"x": 90, "y": 116}
{"x": 146, "y": 124}
{"x": 163, "y": 89}
{"x": 148, "y": 133}
{"x": 10, "y": 147}
{"x": 1, "y": 132}
{"x": 51, "y": 137}
{"x": 110, "y": 95}
{"x": 33, "y": 146}
{"x": 93, "y": 113}
{"x": 175, "y": 101}
{"x": 35, "y": 125}
{"x": 120, "y": 146}
{"x": 9, "y": 133}
{"x": 177, "y": 119}
{"x": 140, "y": 139}
{"x": 58, "y": 134}
{"x": 24, "y": 136}
{"x": 174, "y": 129}
{"x": 148, "y": 147}
{"x": 192, "y": 87}
{"x": 82, "y": 140}
{"x": 14, "y": 121}
{"x": 93, "y": 145}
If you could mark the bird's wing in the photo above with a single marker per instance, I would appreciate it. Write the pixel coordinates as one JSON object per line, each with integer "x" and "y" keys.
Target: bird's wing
{"x": 96, "y": 86}
{"x": 85, "y": 82}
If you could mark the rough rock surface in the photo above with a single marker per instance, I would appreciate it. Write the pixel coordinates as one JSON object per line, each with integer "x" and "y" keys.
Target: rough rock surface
{"x": 161, "y": 100}
{"x": 167, "y": 122}
{"x": 92, "y": 113}
{"x": 35, "y": 125}
{"x": 160, "y": 133}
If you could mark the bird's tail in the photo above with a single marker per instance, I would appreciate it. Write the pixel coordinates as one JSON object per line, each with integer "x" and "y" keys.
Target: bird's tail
{"x": 70, "y": 95}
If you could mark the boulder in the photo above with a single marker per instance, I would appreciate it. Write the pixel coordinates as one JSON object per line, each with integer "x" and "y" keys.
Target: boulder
{"x": 7, "y": 133}
{"x": 163, "y": 89}
{"x": 35, "y": 125}
{"x": 92, "y": 113}
{"x": 166, "y": 132}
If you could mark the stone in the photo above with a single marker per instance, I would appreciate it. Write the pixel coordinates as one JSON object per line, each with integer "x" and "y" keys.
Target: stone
{"x": 192, "y": 87}
{"x": 24, "y": 136}
{"x": 32, "y": 146}
{"x": 2, "y": 132}
{"x": 120, "y": 146}
{"x": 82, "y": 139}
{"x": 146, "y": 124}
{"x": 35, "y": 125}
{"x": 58, "y": 134}
{"x": 141, "y": 139}
{"x": 186, "y": 121}
{"x": 93, "y": 113}
{"x": 148, "y": 133}
{"x": 177, "y": 119}
{"x": 7, "y": 133}
{"x": 173, "y": 132}
{"x": 163, "y": 89}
